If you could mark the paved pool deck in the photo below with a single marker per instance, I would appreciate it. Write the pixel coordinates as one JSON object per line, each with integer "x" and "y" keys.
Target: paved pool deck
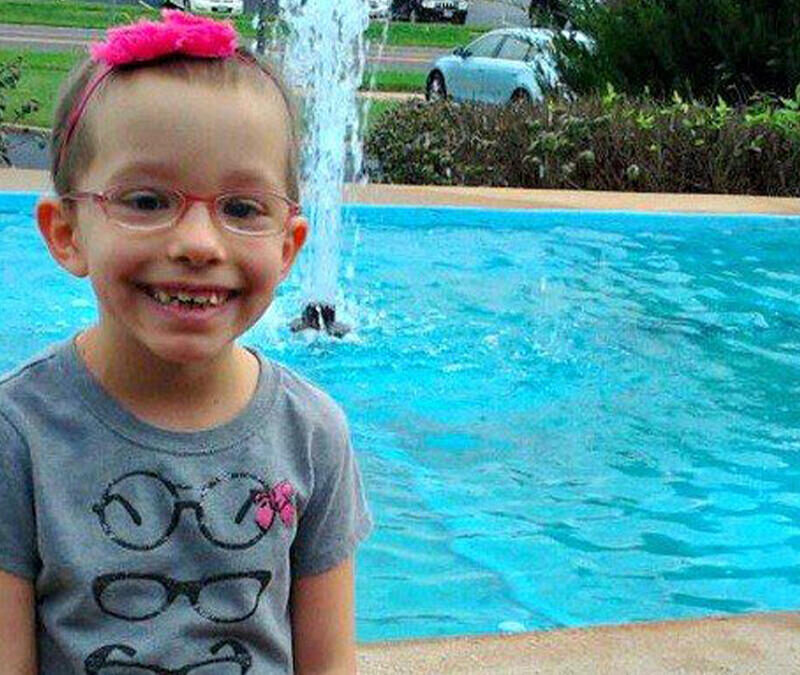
{"x": 750, "y": 644}
{"x": 28, "y": 179}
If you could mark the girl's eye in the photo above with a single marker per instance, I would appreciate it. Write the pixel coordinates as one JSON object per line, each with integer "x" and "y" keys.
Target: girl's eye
{"x": 144, "y": 200}
{"x": 243, "y": 208}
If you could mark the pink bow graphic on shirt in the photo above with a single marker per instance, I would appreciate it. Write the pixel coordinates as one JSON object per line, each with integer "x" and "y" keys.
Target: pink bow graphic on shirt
{"x": 277, "y": 500}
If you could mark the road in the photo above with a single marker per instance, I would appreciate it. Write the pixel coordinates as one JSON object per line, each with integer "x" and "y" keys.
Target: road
{"x": 48, "y": 38}
{"x": 494, "y": 13}
{"x": 498, "y": 14}
{"x": 481, "y": 13}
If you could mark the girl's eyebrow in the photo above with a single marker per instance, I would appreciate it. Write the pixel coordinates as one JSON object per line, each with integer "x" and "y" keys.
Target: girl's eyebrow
{"x": 252, "y": 177}
{"x": 147, "y": 168}
{"x": 246, "y": 177}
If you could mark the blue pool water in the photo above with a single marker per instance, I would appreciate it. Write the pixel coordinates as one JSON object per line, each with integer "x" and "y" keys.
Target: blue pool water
{"x": 562, "y": 418}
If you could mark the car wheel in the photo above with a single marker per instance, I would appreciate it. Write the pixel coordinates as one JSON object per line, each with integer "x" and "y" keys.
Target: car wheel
{"x": 435, "y": 90}
{"x": 521, "y": 96}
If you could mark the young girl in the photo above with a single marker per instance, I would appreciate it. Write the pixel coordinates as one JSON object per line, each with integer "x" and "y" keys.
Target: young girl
{"x": 171, "y": 502}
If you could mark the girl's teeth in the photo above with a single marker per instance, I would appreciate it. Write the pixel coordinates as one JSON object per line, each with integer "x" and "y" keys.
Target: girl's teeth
{"x": 162, "y": 297}
{"x": 165, "y": 298}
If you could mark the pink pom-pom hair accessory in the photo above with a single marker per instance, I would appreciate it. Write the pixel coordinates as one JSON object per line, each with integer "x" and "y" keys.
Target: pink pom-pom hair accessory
{"x": 177, "y": 33}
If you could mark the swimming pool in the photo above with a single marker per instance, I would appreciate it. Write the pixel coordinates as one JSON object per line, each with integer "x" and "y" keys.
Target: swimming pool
{"x": 563, "y": 418}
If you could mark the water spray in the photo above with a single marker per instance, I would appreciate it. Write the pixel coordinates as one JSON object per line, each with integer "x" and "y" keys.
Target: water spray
{"x": 324, "y": 59}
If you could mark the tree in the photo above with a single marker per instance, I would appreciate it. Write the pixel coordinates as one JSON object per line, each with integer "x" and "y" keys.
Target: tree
{"x": 549, "y": 13}
{"x": 703, "y": 49}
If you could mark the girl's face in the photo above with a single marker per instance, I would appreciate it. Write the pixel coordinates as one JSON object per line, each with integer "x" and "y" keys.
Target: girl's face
{"x": 151, "y": 131}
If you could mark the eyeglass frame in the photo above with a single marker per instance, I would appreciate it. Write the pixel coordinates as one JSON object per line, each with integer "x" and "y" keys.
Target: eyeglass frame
{"x": 98, "y": 659}
{"x": 187, "y": 199}
{"x": 174, "y": 588}
{"x": 180, "y": 505}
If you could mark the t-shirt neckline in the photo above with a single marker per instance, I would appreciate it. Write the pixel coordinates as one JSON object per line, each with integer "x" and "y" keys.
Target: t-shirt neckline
{"x": 122, "y": 421}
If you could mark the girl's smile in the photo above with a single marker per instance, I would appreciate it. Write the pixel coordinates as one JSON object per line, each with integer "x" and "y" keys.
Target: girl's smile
{"x": 190, "y": 304}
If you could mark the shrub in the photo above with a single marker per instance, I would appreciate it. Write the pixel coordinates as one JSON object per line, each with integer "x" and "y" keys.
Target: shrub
{"x": 9, "y": 79}
{"x": 701, "y": 48}
{"x": 597, "y": 143}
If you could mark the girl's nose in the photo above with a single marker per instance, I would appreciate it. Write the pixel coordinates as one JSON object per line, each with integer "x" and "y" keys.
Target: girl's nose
{"x": 195, "y": 238}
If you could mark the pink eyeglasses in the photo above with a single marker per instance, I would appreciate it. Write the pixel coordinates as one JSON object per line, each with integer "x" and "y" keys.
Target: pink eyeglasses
{"x": 146, "y": 209}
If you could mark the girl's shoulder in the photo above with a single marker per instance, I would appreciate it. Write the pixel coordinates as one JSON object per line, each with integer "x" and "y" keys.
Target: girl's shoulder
{"x": 32, "y": 368}
{"x": 304, "y": 402}
{"x": 299, "y": 388}
{"x": 31, "y": 382}
{"x": 25, "y": 391}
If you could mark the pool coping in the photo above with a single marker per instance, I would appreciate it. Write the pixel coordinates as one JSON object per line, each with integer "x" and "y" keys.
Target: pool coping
{"x": 499, "y": 198}
{"x": 515, "y": 198}
{"x": 750, "y": 643}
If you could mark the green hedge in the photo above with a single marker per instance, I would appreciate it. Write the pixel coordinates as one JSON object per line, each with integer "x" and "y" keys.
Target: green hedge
{"x": 597, "y": 143}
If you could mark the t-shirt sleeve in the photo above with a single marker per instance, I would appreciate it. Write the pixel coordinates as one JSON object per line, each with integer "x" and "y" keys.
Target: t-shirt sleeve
{"x": 17, "y": 520}
{"x": 336, "y": 517}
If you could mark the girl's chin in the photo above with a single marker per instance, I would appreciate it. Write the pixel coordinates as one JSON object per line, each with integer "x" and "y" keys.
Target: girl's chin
{"x": 188, "y": 351}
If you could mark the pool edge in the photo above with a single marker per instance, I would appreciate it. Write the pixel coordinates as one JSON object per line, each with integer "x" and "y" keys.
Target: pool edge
{"x": 29, "y": 179}
{"x": 569, "y": 199}
{"x": 754, "y": 643}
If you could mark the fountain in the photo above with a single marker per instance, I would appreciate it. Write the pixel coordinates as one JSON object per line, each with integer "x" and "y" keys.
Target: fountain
{"x": 324, "y": 60}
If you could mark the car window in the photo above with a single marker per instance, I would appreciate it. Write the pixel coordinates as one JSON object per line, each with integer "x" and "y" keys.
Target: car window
{"x": 514, "y": 49}
{"x": 485, "y": 46}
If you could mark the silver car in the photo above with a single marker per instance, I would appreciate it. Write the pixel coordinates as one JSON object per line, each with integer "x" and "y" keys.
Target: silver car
{"x": 509, "y": 64}
{"x": 232, "y": 7}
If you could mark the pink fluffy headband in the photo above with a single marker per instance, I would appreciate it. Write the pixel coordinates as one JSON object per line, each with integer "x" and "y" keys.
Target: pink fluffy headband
{"x": 178, "y": 33}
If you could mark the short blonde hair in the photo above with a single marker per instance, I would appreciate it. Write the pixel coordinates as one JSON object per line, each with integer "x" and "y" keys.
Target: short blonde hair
{"x": 243, "y": 67}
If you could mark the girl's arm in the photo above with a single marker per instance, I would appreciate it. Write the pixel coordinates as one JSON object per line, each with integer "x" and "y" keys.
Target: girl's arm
{"x": 323, "y": 622}
{"x": 17, "y": 626}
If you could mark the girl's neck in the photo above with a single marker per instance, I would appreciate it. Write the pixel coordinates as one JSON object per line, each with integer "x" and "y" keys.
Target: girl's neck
{"x": 180, "y": 397}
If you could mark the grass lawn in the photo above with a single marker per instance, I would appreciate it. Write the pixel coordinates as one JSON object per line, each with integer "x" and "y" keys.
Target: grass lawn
{"x": 395, "y": 80}
{"x": 42, "y": 73}
{"x": 76, "y": 14}
{"x": 445, "y": 36}
{"x": 71, "y": 14}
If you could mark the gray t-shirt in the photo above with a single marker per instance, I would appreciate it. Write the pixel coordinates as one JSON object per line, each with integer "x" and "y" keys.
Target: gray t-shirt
{"x": 156, "y": 551}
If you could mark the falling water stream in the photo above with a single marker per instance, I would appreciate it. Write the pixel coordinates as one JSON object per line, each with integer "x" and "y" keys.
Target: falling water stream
{"x": 324, "y": 59}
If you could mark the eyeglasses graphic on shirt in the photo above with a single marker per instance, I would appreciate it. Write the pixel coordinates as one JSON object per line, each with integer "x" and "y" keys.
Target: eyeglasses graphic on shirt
{"x": 140, "y": 510}
{"x": 238, "y": 663}
{"x": 224, "y": 598}
{"x": 147, "y": 208}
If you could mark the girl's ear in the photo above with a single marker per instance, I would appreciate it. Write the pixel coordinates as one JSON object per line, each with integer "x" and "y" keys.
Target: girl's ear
{"x": 60, "y": 233}
{"x": 293, "y": 241}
